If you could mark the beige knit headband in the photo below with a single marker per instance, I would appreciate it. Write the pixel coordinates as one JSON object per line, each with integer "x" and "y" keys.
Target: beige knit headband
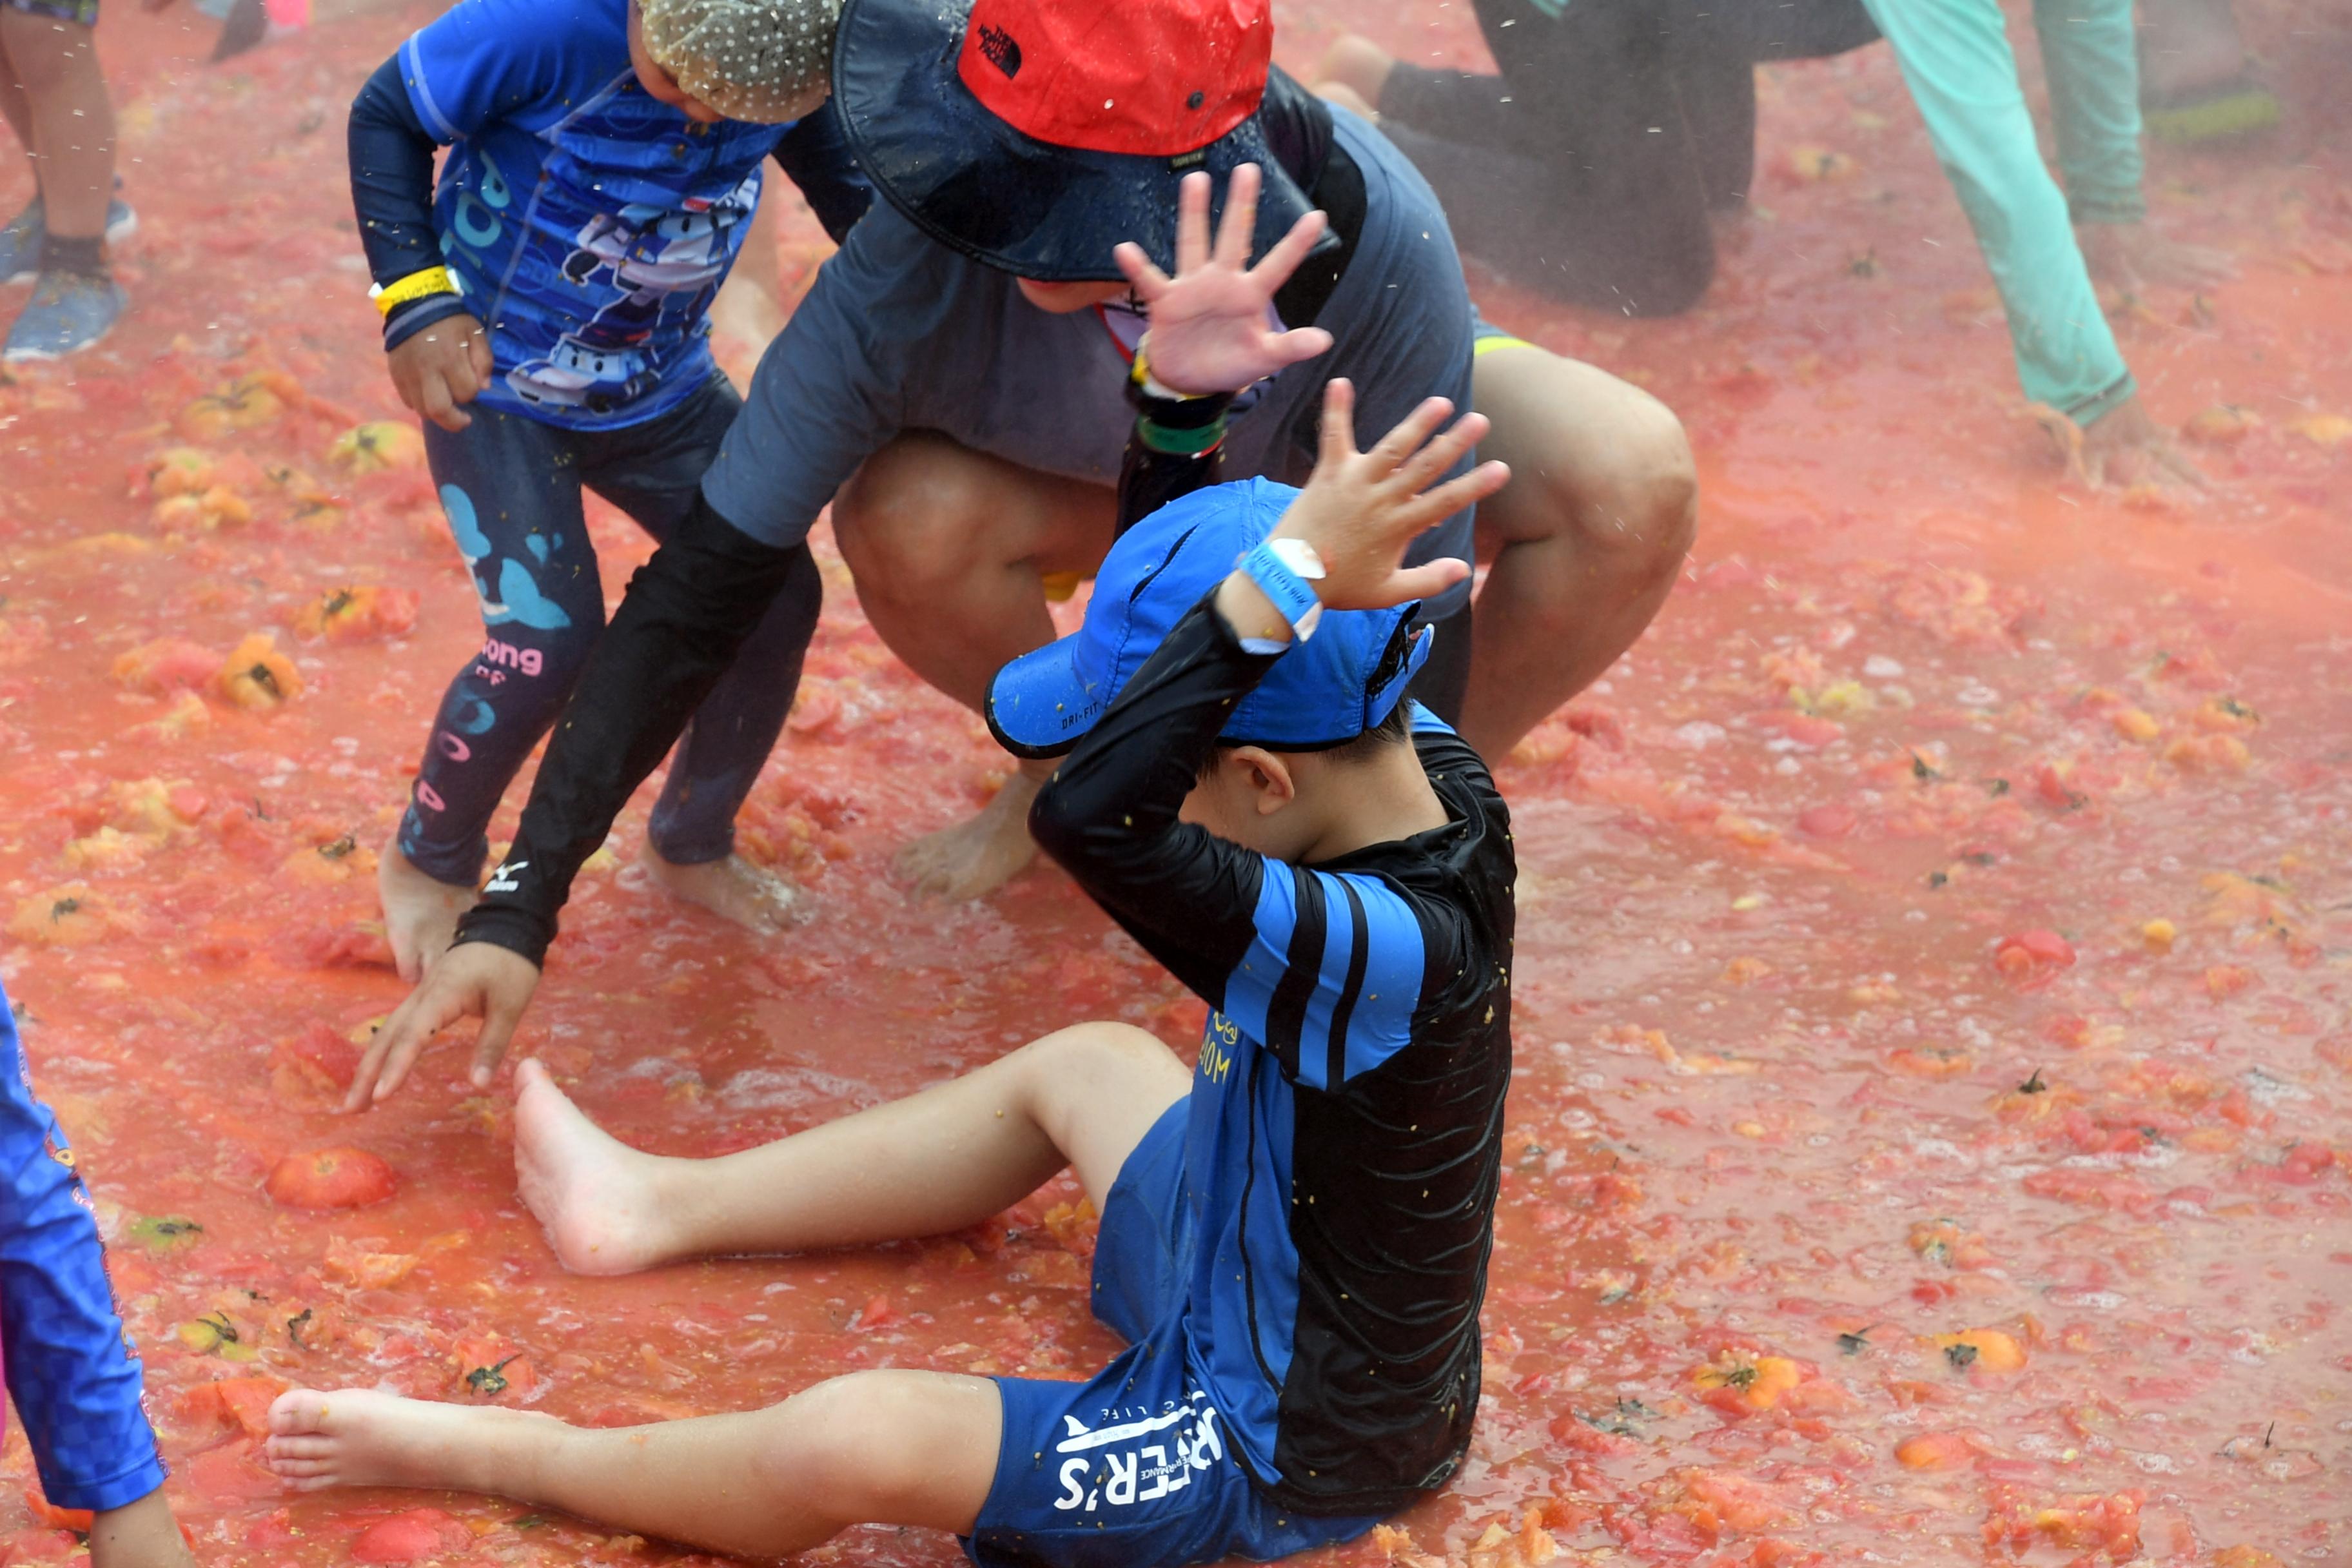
{"x": 761, "y": 60}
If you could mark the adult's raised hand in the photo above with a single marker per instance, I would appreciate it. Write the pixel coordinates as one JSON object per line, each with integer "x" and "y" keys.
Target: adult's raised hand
{"x": 1211, "y": 323}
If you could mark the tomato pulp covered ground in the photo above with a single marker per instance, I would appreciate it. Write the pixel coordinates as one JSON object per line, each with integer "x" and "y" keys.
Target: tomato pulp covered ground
{"x": 1935, "y": 1104}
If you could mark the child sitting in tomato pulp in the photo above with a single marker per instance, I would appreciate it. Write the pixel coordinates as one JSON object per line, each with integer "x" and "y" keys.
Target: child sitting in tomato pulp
{"x": 547, "y": 314}
{"x": 1295, "y": 1232}
{"x": 72, "y": 1372}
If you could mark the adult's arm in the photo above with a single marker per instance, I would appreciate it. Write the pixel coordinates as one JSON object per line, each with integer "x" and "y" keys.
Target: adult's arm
{"x": 1956, "y": 58}
{"x": 2092, "y": 58}
{"x": 1173, "y": 451}
{"x": 71, "y": 1370}
{"x": 820, "y": 403}
{"x": 687, "y": 613}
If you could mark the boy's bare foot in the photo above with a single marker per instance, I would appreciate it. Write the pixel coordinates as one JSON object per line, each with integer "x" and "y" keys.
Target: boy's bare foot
{"x": 420, "y": 915}
{"x": 977, "y": 856}
{"x": 354, "y": 1438}
{"x": 595, "y": 1194}
{"x": 733, "y": 889}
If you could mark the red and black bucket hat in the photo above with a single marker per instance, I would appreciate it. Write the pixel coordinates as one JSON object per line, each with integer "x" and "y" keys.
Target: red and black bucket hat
{"x": 1035, "y": 135}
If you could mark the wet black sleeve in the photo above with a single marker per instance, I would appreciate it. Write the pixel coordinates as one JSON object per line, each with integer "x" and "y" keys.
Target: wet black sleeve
{"x": 1176, "y": 446}
{"x": 687, "y": 613}
{"x": 392, "y": 195}
{"x": 1108, "y": 813}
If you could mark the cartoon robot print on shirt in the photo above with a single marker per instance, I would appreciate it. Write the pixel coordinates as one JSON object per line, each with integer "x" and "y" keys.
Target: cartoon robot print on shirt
{"x": 656, "y": 257}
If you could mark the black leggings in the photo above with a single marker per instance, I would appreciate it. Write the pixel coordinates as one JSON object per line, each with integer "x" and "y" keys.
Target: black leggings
{"x": 1588, "y": 169}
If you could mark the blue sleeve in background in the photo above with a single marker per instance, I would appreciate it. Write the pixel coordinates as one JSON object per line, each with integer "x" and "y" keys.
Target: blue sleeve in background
{"x": 71, "y": 1368}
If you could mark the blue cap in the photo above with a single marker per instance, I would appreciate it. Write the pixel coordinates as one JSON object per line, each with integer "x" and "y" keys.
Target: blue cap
{"x": 1323, "y": 692}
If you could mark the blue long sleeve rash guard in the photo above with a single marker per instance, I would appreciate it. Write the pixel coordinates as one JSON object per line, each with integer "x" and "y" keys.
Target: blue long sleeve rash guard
{"x": 72, "y": 1371}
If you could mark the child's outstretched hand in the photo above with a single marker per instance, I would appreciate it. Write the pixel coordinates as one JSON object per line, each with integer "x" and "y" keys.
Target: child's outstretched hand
{"x": 1209, "y": 330}
{"x": 442, "y": 366}
{"x": 1361, "y": 510}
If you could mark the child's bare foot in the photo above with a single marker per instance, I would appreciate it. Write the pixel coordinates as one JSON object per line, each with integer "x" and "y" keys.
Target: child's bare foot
{"x": 595, "y": 1194}
{"x": 352, "y": 1438}
{"x": 733, "y": 889}
{"x": 977, "y": 856}
{"x": 420, "y": 915}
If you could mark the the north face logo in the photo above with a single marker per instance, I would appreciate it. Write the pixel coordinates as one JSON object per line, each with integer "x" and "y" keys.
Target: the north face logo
{"x": 1001, "y": 52}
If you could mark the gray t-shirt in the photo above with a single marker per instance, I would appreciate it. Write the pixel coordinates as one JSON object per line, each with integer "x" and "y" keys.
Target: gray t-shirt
{"x": 899, "y": 332}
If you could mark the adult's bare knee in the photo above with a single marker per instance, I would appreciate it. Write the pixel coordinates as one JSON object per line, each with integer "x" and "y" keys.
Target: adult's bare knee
{"x": 908, "y": 520}
{"x": 1638, "y": 513}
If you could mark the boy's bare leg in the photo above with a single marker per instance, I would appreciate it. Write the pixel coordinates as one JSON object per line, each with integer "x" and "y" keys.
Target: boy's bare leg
{"x": 886, "y": 1447}
{"x": 1586, "y": 540}
{"x": 70, "y": 130}
{"x": 938, "y": 1161}
{"x": 950, "y": 548}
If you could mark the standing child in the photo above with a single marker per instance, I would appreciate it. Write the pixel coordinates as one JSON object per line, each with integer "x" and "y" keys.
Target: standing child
{"x": 1295, "y": 1233}
{"x": 72, "y": 1369}
{"x": 53, "y": 96}
{"x": 546, "y": 314}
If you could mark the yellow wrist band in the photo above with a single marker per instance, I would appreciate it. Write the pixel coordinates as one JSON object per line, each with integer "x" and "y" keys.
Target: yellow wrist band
{"x": 1140, "y": 374}
{"x": 416, "y": 286}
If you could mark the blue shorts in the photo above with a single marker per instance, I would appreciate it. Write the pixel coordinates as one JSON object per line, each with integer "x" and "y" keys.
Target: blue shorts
{"x": 1134, "y": 1468}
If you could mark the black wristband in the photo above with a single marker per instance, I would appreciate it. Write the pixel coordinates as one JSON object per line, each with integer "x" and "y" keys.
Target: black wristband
{"x": 1179, "y": 413}
{"x": 503, "y": 926}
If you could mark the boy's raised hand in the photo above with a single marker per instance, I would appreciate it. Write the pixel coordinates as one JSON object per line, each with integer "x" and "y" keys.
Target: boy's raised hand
{"x": 1361, "y": 510}
{"x": 442, "y": 366}
{"x": 1209, "y": 330}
